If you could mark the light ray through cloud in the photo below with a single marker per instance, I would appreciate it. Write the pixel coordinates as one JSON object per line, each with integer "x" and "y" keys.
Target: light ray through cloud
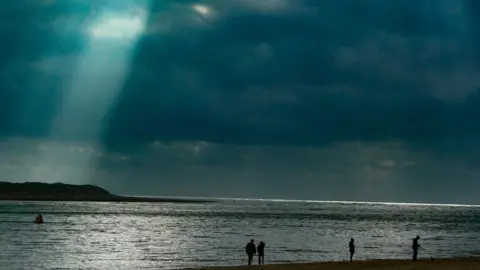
{"x": 99, "y": 76}
{"x": 118, "y": 28}
{"x": 202, "y": 9}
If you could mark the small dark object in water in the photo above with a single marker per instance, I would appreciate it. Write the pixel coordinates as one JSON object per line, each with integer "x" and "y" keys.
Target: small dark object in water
{"x": 432, "y": 259}
{"x": 38, "y": 219}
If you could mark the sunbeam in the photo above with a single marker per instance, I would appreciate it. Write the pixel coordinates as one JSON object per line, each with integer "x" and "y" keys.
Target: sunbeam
{"x": 204, "y": 10}
{"x": 97, "y": 80}
{"x": 118, "y": 27}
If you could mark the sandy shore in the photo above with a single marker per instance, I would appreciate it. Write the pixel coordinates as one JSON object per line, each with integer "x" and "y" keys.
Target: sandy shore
{"x": 447, "y": 264}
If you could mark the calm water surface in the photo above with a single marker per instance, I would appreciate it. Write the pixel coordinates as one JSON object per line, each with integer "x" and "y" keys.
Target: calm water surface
{"x": 85, "y": 235}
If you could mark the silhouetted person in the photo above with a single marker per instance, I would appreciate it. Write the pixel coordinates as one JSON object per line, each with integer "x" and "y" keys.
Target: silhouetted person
{"x": 415, "y": 247}
{"x": 251, "y": 250}
{"x": 261, "y": 253}
{"x": 351, "y": 248}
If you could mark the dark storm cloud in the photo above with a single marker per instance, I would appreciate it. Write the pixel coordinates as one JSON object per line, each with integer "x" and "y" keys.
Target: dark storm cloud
{"x": 281, "y": 72}
{"x": 31, "y": 31}
{"x": 304, "y": 72}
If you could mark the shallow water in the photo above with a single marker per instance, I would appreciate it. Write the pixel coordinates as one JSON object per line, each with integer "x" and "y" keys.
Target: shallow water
{"x": 86, "y": 235}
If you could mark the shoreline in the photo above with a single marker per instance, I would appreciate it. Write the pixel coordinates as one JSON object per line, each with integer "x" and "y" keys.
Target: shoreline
{"x": 112, "y": 198}
{"x": 466, "y": 263}
{"x": 37, "y": 191}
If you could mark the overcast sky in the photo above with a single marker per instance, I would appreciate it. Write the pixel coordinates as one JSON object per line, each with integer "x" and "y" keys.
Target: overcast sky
{"x": 367, "y": 100}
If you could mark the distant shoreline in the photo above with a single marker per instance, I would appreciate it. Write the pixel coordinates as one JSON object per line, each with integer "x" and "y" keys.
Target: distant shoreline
{"x": 107, "y": 199}
{"x": 35, "y": 191}
{"x": 425, "y": 264}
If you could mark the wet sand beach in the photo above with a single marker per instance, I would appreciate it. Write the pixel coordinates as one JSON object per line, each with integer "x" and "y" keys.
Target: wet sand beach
{"x": 444, "y": 264}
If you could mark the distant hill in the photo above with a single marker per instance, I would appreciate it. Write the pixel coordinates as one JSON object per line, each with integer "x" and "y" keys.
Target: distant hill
{"x": 44, "y": 191}
{"x": 35, "y": 191}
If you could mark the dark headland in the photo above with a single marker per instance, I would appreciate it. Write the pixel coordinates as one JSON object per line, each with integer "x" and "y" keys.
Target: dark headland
{"x": 34, "y": 191}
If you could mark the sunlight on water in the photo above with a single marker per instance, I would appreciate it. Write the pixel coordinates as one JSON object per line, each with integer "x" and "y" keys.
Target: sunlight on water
{"x": 304, "y": 201}
{"x": 86, "y": 235}
{"x": 349, "y": 202}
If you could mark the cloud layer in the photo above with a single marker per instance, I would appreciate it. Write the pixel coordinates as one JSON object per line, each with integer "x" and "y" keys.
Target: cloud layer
{"x": 388, "y": 171}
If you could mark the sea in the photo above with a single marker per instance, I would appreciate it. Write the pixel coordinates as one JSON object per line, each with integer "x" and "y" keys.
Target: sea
{"x": 107, "y": 235}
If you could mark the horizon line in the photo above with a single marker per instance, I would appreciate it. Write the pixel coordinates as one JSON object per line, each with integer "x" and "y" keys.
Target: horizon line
{"x": 308, "y": 201}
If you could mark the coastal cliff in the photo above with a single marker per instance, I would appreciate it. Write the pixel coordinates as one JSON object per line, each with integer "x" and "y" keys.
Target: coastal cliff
{"x": 35, "y": 191}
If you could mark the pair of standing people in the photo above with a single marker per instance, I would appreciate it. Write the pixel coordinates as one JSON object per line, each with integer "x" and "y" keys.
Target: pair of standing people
{"x": 251, "y": 250}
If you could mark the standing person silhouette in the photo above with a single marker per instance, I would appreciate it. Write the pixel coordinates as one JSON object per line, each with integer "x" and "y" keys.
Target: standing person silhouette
{"x": 351, "y": 248}
{"x": 261, "y": 253}
{"x": 415, "y": 247}
{"x": 250, "y": 249}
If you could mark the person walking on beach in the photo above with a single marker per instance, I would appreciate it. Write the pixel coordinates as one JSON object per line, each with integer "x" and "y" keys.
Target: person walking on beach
{"x": 261, "y": 253}
{"x": 251, "y": 250}
{"x": 351, "y": 248}
{"x": 415, "y": 247}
